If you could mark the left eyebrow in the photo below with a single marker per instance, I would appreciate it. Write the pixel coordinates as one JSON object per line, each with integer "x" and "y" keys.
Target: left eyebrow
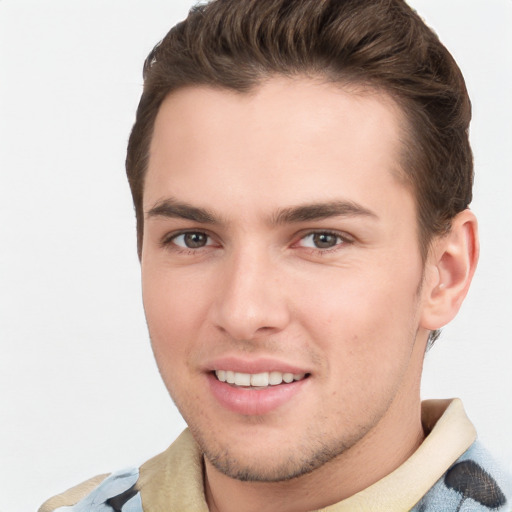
{"x": 319, "y": 211}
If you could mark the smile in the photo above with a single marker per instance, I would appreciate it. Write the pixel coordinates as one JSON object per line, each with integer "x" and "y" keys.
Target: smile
{"x": 259, "y": 380}
{"x": 256, "y": 393}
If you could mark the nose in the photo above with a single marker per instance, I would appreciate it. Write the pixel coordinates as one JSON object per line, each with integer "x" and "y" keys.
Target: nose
{"x": 251, "y": 299}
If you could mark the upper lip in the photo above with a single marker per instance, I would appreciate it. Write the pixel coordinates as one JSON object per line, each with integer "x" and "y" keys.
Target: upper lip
{"x": 255, "y": 365}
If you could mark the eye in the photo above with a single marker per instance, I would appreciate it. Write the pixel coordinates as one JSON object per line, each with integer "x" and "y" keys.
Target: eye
{"x": 321, "y": 240}
{"x": 192, "y": 240}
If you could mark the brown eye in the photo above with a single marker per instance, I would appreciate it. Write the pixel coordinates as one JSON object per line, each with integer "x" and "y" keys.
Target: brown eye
{"x": 192, "y": 240}
{"x": 325, "y": 240}
{"x": 322, "y": 240}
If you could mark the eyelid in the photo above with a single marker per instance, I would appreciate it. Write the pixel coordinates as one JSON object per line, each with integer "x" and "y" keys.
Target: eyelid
{"x": 169, "y": 238}
{"x": 344, "y": 238}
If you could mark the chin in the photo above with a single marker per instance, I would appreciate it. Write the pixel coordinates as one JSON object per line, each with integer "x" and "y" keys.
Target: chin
{"x": 267, "y": 470}
{"x": 273, "y": 462}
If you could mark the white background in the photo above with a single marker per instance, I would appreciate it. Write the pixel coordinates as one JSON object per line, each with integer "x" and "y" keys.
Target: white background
{"x": 79, "y": 391}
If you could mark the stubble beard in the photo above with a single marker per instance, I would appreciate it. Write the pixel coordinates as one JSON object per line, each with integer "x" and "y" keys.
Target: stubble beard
{"x": 306, "y": 457}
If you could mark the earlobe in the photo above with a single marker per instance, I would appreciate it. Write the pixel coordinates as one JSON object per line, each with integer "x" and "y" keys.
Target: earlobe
{"x": 449, "y": 270}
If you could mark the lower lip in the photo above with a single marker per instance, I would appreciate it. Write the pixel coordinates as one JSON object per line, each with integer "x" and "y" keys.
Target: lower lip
{"x": 251, "y": 402}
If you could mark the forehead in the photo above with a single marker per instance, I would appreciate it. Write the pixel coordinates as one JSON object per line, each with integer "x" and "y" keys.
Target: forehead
{"x": 293, "y": 139}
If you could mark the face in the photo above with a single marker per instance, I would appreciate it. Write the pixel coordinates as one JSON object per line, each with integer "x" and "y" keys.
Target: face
{"x": 281, "y": 271}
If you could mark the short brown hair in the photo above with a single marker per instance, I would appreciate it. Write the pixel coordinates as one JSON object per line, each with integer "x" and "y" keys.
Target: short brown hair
{"x": 382, "y": 44}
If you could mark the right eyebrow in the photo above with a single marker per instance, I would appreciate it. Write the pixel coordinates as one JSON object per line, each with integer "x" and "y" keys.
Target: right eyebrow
{"x": 171, "y": 208}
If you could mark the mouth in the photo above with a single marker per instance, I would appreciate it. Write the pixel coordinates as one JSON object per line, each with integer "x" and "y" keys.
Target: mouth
{"x": 261, "y": 380}
{"x": 256, "y": 391}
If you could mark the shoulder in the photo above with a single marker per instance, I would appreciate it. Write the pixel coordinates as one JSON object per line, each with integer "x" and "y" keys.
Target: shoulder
{"x": 475, "y": 478}
{"x": 116, "y": 490}
{"x": 171, "y": 480}
{"x": 72, "y": 495}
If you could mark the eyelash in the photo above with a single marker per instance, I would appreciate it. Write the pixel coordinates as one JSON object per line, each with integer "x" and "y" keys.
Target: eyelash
{"x": 342, "y": 239}
{"x": 169, "y": 242}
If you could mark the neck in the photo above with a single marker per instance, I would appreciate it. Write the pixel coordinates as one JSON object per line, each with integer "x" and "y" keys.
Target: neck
{"x": 381, "y": 451}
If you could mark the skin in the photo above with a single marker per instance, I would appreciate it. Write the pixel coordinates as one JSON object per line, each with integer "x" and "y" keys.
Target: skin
{"x": 353, "y": 311}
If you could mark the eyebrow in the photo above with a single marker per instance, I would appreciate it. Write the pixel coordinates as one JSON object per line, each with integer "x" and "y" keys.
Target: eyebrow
{"x": 172, "y": 208}
{"x": 175, "y": 209}
{"x": 319, "y": 211}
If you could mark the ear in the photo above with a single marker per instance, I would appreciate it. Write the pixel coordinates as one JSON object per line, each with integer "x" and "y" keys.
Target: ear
{"x": 449, "y": 269}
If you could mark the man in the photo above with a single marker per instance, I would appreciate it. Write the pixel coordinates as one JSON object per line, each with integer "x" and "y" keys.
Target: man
{"x": 301, "y": 175}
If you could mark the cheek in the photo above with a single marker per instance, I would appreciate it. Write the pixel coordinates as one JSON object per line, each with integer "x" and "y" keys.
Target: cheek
{"x": 358, "y": 297}
{"x": 173, "y": 312}
{"x": 365, "y": 320}
{"x": 365, "y": 337}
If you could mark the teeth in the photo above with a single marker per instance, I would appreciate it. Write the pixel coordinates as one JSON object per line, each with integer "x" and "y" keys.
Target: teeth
{"x": 242, "y": 379}
{"x": 275, "y": 378}
{"x": 260, "y": 380}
